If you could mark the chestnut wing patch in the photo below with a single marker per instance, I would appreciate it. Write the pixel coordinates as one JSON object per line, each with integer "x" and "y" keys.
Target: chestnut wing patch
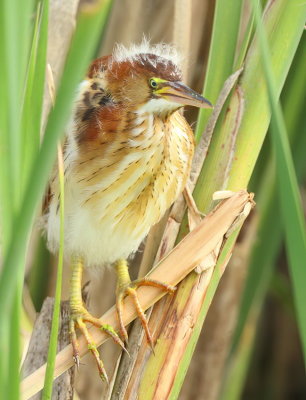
{"x": 96, "y": 114}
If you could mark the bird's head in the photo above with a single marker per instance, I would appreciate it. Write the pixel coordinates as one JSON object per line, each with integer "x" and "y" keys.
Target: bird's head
{"x": 145, "y": 78}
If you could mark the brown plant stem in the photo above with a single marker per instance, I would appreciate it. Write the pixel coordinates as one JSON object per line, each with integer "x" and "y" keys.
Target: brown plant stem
{"x": 38, "y": 349}
{"x": 62, "y": 20}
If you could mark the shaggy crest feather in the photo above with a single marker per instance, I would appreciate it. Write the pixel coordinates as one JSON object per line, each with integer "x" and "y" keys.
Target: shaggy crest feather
{"x": 165, "y": 51}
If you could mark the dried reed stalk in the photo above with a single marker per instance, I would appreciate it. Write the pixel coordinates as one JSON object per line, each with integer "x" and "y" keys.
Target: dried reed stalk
{"x": 62, "y": 21}
{"x": 182, "y": 31}
{"x": 191, "y": 251}
{"x": 38, "y": 349}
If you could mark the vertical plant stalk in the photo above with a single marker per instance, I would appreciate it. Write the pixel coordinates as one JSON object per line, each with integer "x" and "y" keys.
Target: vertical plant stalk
{"x": 23, "y": 133}
{"x": 182, "y": 31}
{"x": 262, "y": 260}
{"x": 33, "y": 92}
{"x": 270, "y": 231}
{"x": 264, "y": 254}
{"x": 48, "y": 384}
{"x": 220, "y": 64}
{"x": 291, "y": 207}
{"x": 284, "y": 24}
{"x": 38, "y": 349}
{"x": 62, "y": 24}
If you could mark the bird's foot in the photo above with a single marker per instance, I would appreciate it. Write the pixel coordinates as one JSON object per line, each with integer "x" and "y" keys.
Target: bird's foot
{"x": 130, "y": 289}
{"x": 78, "y": 319}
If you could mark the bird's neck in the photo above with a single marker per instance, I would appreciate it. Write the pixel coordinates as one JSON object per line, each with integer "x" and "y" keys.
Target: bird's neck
{"x": 144, "y": 130}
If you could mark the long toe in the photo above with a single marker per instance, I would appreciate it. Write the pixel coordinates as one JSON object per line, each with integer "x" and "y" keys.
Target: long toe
{"x": 78, "y": 320}
{"x": 92, "y": 347}
{"x": 154, "y": 283}
{"x": 141, "y": 315}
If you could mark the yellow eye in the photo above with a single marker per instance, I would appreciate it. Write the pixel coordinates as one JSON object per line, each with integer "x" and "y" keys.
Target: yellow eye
{"x": 153, "y": 83}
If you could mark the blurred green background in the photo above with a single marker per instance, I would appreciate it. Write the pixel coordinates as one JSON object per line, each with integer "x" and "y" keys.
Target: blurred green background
{"x": 254, "y": 334}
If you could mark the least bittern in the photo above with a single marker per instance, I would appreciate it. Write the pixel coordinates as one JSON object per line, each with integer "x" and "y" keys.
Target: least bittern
{"x": 127, "y": 156}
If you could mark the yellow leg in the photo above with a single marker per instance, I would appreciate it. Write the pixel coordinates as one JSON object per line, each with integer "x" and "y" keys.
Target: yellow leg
{"x": 127, "y": 288}
{"x": 79, "y": 316}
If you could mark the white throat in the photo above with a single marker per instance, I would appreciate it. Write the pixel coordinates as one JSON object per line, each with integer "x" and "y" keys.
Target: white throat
{"x": 158, "y": 106}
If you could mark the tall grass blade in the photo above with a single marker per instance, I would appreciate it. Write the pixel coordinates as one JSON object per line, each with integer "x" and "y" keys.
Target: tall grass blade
{"x": 48, "y": 384}
{"x": 291, "y": 209}
{"x": 270, "y": 227}
{"x": 220, "y": 63}
{"x": 284, "y": 22}
{"x": 12, "y": 389}
{"x": 245, "y": 43}
{"x": 269, "y": 233}
{"x": 5, "y": 190}
{"x": 34, "y": 90}
{"x": 15, "y": 21}
{"x": 261, "y": 268}
{"x": 16, "y": 25}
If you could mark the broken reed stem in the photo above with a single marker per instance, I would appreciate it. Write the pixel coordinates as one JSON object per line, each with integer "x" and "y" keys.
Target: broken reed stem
{"x": 175, "y": 320}
{"x": 186, "y": 256}
{"x": 38, "y": 348}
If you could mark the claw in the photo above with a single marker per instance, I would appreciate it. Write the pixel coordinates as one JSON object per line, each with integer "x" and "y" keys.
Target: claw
{"x": 74, "y": 343}
{"x": 119, "y": 307}
{"x": 114, "y": 335}
{"x": 76, "y": 360}
{"x": 141, "y": 315}
{"x": 130, "y": 290}
{"x": 93, "y": 348}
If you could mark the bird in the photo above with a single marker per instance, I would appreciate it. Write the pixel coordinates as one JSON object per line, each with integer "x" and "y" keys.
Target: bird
{"x": 127, "y": 157}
